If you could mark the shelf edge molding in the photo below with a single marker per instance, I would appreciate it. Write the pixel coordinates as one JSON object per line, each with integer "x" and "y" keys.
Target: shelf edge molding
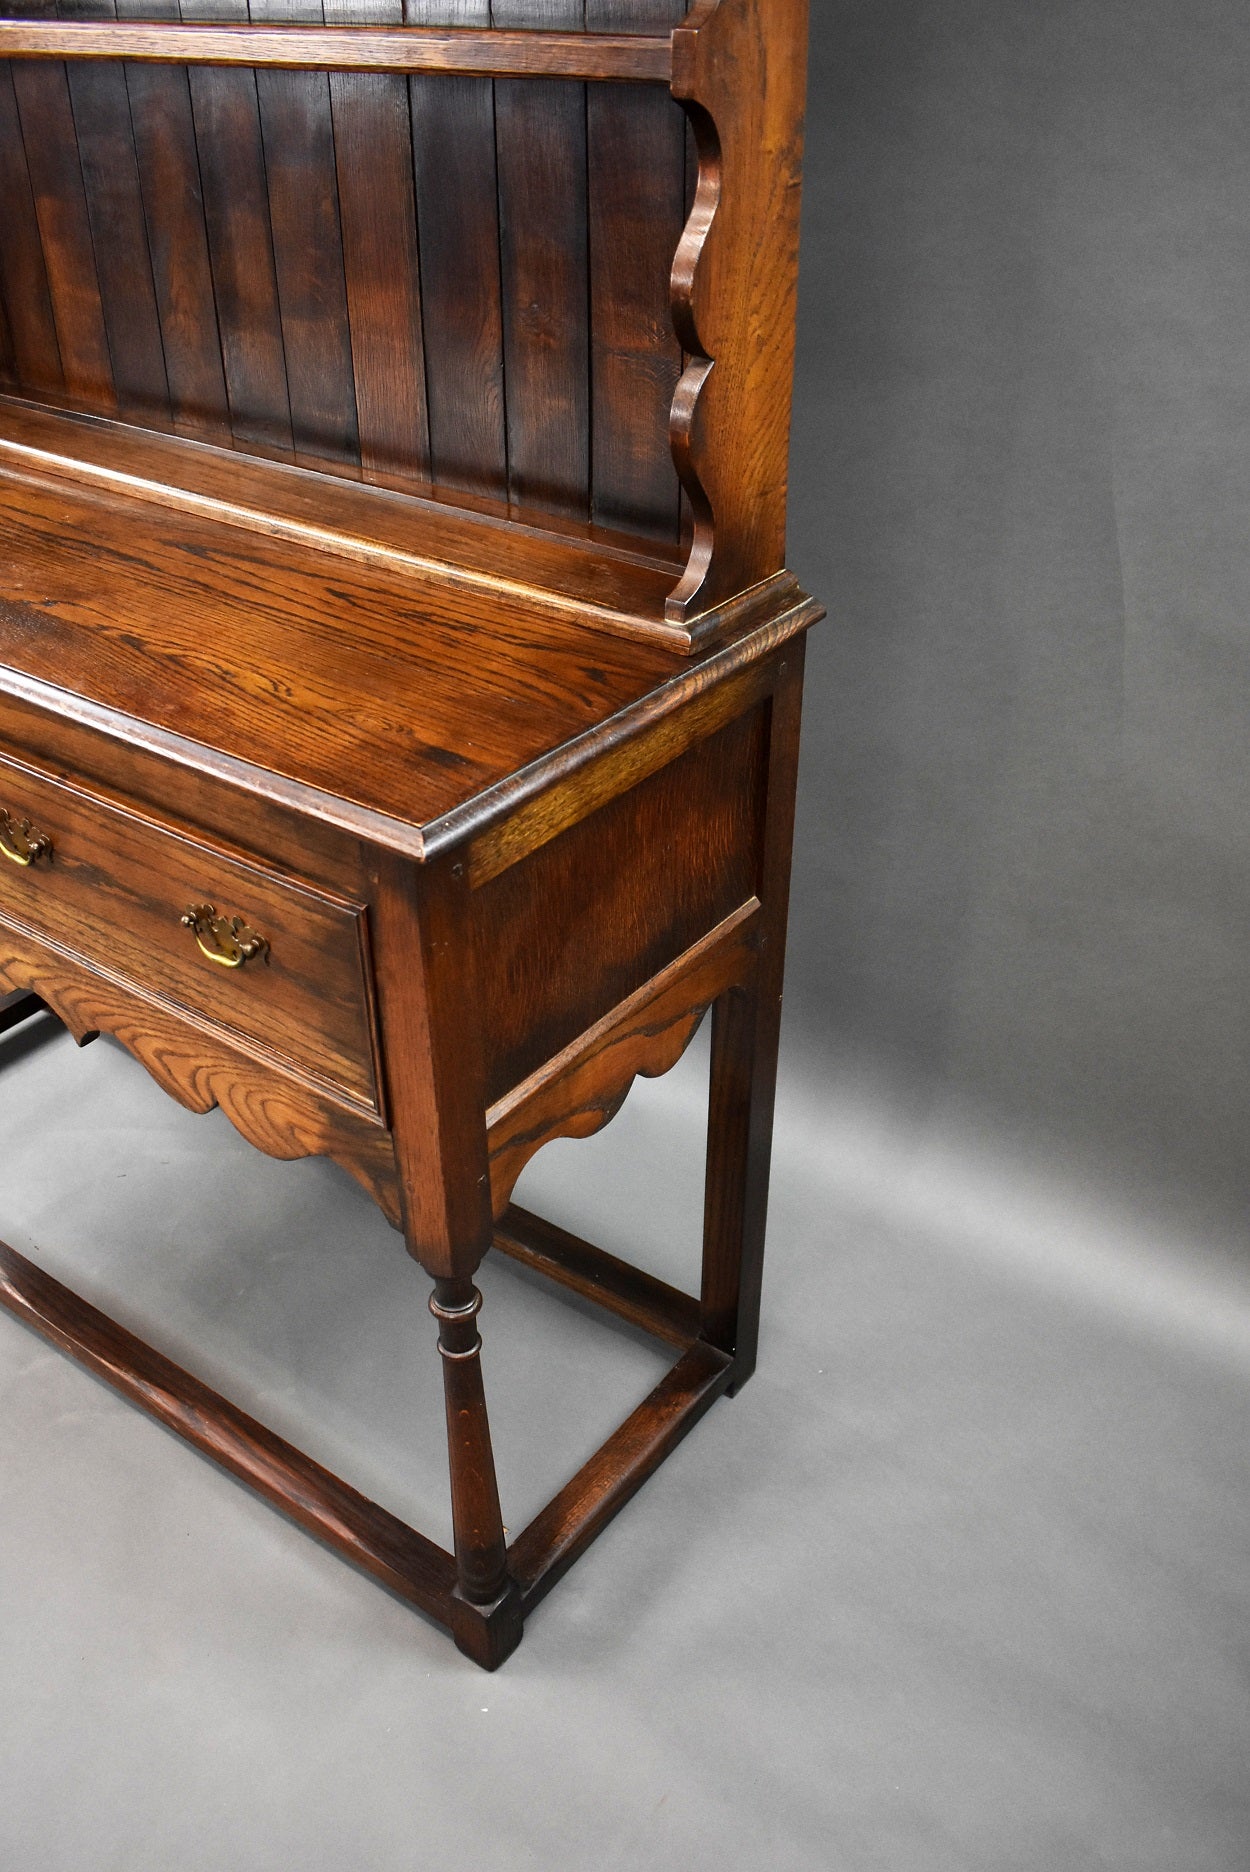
{"x": 455, "y": 52}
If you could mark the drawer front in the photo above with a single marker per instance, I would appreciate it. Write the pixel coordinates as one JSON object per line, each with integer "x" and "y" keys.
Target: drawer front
{"x": 113, "y": 887}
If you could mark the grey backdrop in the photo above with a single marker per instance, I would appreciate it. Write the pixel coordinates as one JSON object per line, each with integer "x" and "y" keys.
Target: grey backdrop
{"x": 1021, "y": 480}
{"x": 960, "y": 1581}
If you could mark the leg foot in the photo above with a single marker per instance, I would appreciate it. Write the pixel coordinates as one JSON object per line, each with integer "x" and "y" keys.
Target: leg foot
{"x": 487, "y": 1633}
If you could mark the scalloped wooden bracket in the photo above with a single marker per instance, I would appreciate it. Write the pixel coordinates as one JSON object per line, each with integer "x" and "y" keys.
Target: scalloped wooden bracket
{"x": 574, "y": 1095}
{"x": 581, "y": 1090}
{"x": 278, "y": 1114}
{"x": 740, "y": 71}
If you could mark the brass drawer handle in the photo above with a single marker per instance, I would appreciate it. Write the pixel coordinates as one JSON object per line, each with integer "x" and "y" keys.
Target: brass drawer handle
{"x": 225, "y": 940}
{"x": 20, "y": 842}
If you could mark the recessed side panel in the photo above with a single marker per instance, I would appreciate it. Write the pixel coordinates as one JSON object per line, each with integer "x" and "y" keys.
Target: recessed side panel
{"x": 569, "y": 932}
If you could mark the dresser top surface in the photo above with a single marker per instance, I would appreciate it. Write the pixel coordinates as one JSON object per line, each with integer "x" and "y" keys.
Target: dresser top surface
{"x": 406, "y": 697}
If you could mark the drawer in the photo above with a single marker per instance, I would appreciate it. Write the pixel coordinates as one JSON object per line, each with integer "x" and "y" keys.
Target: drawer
{"x": 113, "y": 886}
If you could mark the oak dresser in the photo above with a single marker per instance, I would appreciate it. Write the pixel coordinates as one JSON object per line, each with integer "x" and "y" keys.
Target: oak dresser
{"x": 399, "y": 670}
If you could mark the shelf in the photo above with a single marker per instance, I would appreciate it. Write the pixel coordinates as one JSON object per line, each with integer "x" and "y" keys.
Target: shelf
{"x": 537, "y": 565}
{"x": 462, "y": 52}
{"x": 392, "y": 690}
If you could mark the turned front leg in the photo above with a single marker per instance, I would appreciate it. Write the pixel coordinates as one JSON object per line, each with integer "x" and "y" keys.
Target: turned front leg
{"x": 481, "y": 1555}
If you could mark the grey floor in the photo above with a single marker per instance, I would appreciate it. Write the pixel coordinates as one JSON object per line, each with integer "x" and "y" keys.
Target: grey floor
{"x": 959, "y": 1581}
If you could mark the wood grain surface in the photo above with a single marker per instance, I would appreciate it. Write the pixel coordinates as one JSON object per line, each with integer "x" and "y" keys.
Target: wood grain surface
{"x": 339, "y": 676}
{"x": 741, "y": 68}
{"x": 282, "y": 1114}
{"x": 568, "y": 933}
{"x": 604, "y": 56}
{"x": 350, "y": 355}
{"x": 113, "y": 889}
{"x": 582, "y": 1088}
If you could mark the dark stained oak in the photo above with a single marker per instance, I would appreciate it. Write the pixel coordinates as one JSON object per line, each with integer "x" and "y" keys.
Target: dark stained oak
{"x": 581, "y": 1088}
{"x": 302, "y": 184}
{"x": 746, "y": 1029}
{"x": 567, "y": 934}
{"x": 731, "y": 419}
{"x": 547, "y": 1548}
{"x": 636, "y": 198}
{"x": 204, "y": 1067}
{"x": 46, "y": 116}
{"x": 176, "y": 242}
{"x": 461, "y": 268}
{"x": 33, "y": 349}
{"x": 405, "y": 1561}
{"x": 345, "y": 677}
{"x": 231, "y": 172}
{"x": 400, "y": 676}
{"x": 579, "y": 573}
{"x": 372, "y": 133}
{"x": 113, "y": 888}
{"x": 114, "y": 201}
{"x": 540, "y": 129}
{"x": 346, "y": 48}
{"x": 634, "y": 1296}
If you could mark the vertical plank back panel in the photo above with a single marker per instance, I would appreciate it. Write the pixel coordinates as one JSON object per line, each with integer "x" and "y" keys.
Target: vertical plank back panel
{"x": 307, "y": 247}
{"x": 541, "y": 142}
{"x": 637, "y": 208}
{"x": 163, "y": 129}
{"x": 7, "y": 361}
{"x": 381, "y": 263}
{"x": 110, "y": 176}
{"x": 453, "y": 138}
{"x": 455, "y": 284}
{"x": 23, "y": 274}
{"x": 231, "y": 159}
{"x": 47, "y": 129}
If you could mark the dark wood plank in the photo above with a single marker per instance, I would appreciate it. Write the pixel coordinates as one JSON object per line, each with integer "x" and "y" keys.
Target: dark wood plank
{"x": 36, "y": 352}
{"x": 236, "y": 210}
{"x": 177, "y": 240}
{"x": 650, "y": 1304}
{"x": 540, "y": 129}
{"x": 565, "y": 1528}
{"x": 7, "y": 365}
{"x": 298, "y": 134}
{"x": 637, "y": 140}
{"x": 110, "y": 173}
{"x": 602, "y": 56}
{"x": 48, "y": 133}
{"x": 374, "y": 1540}
{"x": 381, "y": 261}
{"x": 458, "y": 218}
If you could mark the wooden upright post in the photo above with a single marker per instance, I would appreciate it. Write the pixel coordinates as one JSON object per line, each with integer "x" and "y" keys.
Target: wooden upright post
{"x": 745, "y": 1035}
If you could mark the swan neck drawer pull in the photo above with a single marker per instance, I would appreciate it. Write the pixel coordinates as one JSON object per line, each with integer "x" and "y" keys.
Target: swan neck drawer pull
{"x": 20, "y": 842}
{"x": 225, "y": 940}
